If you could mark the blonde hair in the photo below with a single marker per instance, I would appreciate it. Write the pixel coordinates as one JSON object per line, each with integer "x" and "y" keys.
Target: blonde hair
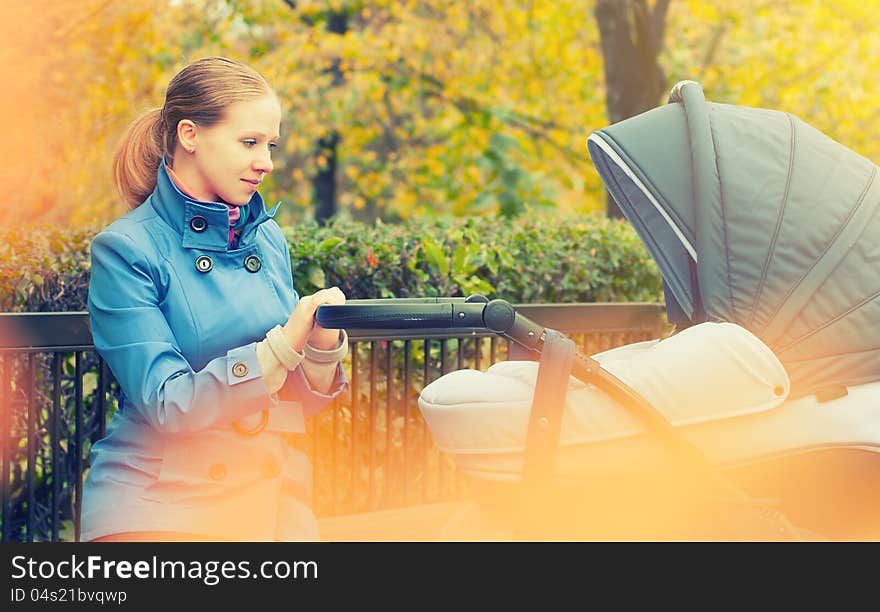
{"x": 201, "y": 92}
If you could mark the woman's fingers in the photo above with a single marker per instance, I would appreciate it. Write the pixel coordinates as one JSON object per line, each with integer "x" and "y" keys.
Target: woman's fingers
{"x": 329, "y": 297}
{"x": 302, "y": 324}
{"x": 332, "y": 295}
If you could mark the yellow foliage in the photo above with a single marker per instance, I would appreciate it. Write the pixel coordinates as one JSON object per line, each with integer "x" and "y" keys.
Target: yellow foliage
{"x": 811, "y": 58}
{"x": 424, "y": 87}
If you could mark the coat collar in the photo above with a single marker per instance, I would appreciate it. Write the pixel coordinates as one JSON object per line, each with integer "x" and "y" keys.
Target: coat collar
{"x": 179, "y": 211}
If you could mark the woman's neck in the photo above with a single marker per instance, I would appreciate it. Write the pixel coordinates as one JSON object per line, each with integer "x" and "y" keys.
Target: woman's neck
{"x": 188, "y": 182}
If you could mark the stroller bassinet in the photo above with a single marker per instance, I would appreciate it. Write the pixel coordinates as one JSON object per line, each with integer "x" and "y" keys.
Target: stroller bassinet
{"x": 765, "y": 234}
{"x": 726, "y": 394}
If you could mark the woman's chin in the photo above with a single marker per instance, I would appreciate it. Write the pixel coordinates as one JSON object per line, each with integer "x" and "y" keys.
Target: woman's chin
{"x": 237, "y": 200}
{"x": 246, "y": 198}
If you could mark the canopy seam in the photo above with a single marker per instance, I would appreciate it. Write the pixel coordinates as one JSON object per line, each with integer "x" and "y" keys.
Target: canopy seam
{"x": 723, "y": 221}
{"x": 815, "y": 263}
{"x": 830, "y": 322}
{"x": 812, "y": 358}
{"x": 785, "y": 197}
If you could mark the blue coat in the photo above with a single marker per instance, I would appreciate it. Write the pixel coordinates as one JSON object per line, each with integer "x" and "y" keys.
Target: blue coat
{"x": 177, "y": 313}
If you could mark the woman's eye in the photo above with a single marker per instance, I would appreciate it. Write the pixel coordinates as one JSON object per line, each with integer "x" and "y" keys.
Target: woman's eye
{"x": 273, "y": 145}
{"x": 249, "y": 143}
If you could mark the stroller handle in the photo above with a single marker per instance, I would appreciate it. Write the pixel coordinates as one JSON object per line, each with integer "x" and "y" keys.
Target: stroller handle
{"x": 474, "y": 312}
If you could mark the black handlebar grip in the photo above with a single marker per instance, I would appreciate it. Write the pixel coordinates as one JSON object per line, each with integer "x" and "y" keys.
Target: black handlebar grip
{"x": 374, "y": 316}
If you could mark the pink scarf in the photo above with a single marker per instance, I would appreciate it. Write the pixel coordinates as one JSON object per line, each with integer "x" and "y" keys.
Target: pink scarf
{"x": 234, "y": 211}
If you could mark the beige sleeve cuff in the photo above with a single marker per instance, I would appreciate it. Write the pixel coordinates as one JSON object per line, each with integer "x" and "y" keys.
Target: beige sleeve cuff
{"x": 331, "y": 356}
{"x": 274, "y": 372}
{"x": 276, "y": 357}
{"x": 320, "y": 365}
{"x": 286, "y": 354}
{"x": 320, "y": 375}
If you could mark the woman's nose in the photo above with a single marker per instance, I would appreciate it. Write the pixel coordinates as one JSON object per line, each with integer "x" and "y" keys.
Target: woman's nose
{"x": 263, "y": 163}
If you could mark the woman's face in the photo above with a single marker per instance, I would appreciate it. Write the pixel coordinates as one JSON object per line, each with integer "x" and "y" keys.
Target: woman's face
{"x": 230, "y": 158}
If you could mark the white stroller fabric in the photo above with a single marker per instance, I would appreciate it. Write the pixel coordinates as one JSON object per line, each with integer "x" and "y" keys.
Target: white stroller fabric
{"x": 720, "y": 384}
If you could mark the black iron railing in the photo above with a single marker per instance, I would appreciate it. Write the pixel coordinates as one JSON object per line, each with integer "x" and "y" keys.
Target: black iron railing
{"x": 370, "y": 450}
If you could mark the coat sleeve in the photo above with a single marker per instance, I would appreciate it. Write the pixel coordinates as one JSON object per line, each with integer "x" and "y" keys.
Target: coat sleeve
{"x": 298, "y": 387}
{"x": 131, "y": 333}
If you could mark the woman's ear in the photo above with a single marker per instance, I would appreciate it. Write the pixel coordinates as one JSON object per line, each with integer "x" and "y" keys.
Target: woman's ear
{"x": 186, "y": 135}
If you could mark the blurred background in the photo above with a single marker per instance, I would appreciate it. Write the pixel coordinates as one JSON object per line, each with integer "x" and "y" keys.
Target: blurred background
{"x": 402, "y": 109}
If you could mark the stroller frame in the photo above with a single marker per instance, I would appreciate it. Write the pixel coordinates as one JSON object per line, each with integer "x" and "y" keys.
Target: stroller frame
{"x": 559, "y": 358}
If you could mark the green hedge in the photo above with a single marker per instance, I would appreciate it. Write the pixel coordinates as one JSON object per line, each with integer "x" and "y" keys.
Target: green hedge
{"x": 530, "y": 259}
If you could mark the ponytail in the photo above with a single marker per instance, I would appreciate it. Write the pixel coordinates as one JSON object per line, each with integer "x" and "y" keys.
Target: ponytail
{"x": 138, "y": 157}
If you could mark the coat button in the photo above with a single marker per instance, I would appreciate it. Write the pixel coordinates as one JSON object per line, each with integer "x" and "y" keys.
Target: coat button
{"x": 204, "y": 263}
{"x": 217, "y": 471}
{"x": 198, "y": 224}
{"x": 239, "y": 369}
{"x": 252, "y": 263}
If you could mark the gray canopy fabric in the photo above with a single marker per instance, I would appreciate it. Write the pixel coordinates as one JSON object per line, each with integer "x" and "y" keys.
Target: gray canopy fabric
{"x": 756, "y": 218}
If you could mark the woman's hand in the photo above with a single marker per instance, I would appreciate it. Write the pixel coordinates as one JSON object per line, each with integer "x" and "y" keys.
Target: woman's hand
{"x": 302, "y": 328}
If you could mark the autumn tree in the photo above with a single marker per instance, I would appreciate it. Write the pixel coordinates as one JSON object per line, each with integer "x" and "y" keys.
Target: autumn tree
{"x": 632, "y": 39}
{"x": 324, "y": 181}
{"x": 476, "y": 108}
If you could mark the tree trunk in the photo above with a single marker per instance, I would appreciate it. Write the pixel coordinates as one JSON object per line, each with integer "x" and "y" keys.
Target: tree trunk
{"x": 631, "y": 34}
{"x": 324, "y": 183}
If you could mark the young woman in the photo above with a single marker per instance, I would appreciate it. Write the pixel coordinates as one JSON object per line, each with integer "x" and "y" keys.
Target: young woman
{"x": 192, "y": 305}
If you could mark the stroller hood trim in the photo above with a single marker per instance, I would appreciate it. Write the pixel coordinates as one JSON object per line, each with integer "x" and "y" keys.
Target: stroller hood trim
{"x": 654, "y": 223}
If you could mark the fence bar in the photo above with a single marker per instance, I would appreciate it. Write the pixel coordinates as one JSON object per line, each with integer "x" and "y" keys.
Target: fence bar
{"x": 43, "y": 504}
{"x": 371, "y": 437}
{"x": 44, "y": 331}
{"x": 30, "y": 471}
{"x": 78, "y": 435}
{"x": 103, "y": 375}
{"x": 425, "y": 438}
{"x": 407, "y": 355}
{"x": 316, "y": 423}
{"x": 387, "y": 481}
{"x": 55, "y": 442}
{"x": 355, "y": 402}
{"x": 333, "y": 454}
{"x": 478, "y": 353}
{"x": 66, "y": 331}
{"x": 6, "y": 446}
{"x": 444, "y": 369}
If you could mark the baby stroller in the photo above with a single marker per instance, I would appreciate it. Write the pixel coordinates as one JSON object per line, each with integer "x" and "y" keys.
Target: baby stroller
{"x": 758, "y": 419}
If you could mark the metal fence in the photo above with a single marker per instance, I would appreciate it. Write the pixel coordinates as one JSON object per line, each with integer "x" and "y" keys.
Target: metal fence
{"x": 370, "y": 450}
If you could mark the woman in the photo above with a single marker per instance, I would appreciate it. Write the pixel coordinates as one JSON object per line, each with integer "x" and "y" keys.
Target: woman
{"x": 192, "y": 305}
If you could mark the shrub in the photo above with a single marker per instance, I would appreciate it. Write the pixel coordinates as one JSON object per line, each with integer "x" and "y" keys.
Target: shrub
{"x": 530, "y": 259}
{"x": 44, "y": 269}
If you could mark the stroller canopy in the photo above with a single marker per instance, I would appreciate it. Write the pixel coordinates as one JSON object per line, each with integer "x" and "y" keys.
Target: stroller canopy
{"x": 756, "y": 218}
